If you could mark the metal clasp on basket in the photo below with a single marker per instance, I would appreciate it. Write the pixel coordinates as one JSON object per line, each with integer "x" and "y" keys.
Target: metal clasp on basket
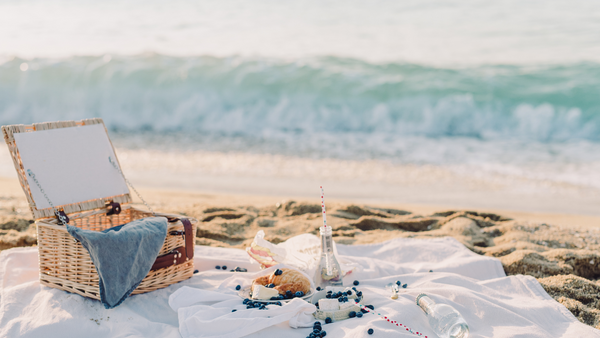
{"x": 112, "y": 208}
{"x": 177, "y": 233}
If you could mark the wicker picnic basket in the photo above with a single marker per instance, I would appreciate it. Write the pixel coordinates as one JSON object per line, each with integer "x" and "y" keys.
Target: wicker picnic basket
{"x": 64, "y": 263}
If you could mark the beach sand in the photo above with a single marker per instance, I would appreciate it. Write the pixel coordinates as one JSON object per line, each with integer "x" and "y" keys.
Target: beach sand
{"x": 560, "y": 250}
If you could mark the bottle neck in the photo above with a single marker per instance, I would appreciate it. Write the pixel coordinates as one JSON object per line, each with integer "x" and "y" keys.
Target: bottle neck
{"x": 326, "y": 241}
{"x": 425, "y": 303}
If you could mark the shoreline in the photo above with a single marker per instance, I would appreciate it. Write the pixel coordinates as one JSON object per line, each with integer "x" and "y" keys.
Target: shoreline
{"x": 10, "y": 187}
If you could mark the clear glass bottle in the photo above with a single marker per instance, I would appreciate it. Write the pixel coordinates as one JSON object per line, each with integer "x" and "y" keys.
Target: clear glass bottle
{"x": 329, "y": 272}
{"x": 445, "y": 321}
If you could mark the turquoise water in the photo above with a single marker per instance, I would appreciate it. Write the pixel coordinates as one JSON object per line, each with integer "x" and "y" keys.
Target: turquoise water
{"x": 508, "y": 85}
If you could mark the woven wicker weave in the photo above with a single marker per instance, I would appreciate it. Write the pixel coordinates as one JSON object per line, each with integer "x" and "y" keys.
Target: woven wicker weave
{"x": 64, "y": 263}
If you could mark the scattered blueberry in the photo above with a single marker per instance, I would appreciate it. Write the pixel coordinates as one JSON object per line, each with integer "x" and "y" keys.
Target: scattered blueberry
{"x": 359, "y": 293}
{"x": 234, "y": 310}
{"x": 356, "y": 283}
{"x": 270, "y": 285}
{"x": 363, "y": 311}
{"x": 238, "y": 287}
{"x": 430, "y": 270}
{"x": 224, "y": 267}
{"x": 274, "y": 298}
{"x": 328, "y": 295}
{"x": 327, "y": 320}
{"x": 370, "y": 331}
{"x": 246, "y": 301}
{"x": 249, "y": 306}
{"x": 317, "y": 323}
{"x": 278, "y": 303}
{"x": 398, "y": 283}
{"x": 370, "y": 307}
{"x": 280, "y": 297}
{"x": 196, "y": 271}
{"x": 323, "y": 334}
{"x": 299, "y": 294}
{"x": 329, "y": 292}
{"x": 359, "y": 315}
{"x": 349, "y": 293}
{"x": 289, "y": 294}
{"x": 316, "y": 330}
{"x": 318, "y": 287}
{"x": 218, "y": 267}
{"x": 404, "y": 286}
{"x": 352, "y": 314}
{"x": 340, "y": 299}
{"x": 345, "y": 299}
{"x": 278, "y": 272}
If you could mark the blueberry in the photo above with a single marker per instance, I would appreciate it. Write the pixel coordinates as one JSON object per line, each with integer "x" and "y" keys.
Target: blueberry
{"x": 364, "y": 311}
{"x": 404, "y": 286}
{"x": 430, "y": 270}
{"x": 398, "y": 283}
{"x": 278, "y": 303}
{"x": 234, "y": 310}
{"x": 329, "y": 292}
{"x": 289, "y": 294}
{"x": 218, "y": 267}
{"x": 370, "y": 307}
{"x": 238, "y": 287}
{"x": 196, "y": 271}
{"x": 280, "y": 297}
{"x": 316, "y": 331}
{"x": 246, "y": 301}
{"x": 318, "y": 287}
{"x": 340, "y": 299}
{"x": 345, "y": 299}
{"x": 274, "y": 298}
{"x": 349, "y": 293}
{"x": 224, "y": 267}
{"x": 370, "y": 331}
{"x": 359, "y": 315}
{"x": 354, "y": 288}
{"x": 317, "y": 324}
{"x": 249, "y": 306}
{"x": 356, "y": 283}
{"x": 359, "y": 293}
{"x": 278, "y": 272}
{"x": 328, "y": 296}
{"x": 323, "y": 334}
{"x": 270, "y": 285}
{"x": 327, "y": 320}
{"x": 352, "y": 314}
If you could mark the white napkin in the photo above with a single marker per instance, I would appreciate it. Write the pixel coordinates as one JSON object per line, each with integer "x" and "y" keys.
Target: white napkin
{"x": 205, "y": 313}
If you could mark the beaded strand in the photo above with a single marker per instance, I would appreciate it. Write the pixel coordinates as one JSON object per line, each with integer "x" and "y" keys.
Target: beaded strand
{"x": 393, "y": 322}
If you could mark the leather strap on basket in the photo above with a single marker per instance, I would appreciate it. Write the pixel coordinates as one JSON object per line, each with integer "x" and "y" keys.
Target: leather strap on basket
{"x": 181, "y": 254}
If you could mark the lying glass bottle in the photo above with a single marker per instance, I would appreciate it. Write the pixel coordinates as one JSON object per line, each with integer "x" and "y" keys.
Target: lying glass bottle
{"x": 445, "y": 321}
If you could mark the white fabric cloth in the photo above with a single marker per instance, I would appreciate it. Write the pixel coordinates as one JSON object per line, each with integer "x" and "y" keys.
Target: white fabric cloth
{"x": 494, "y": 305}
{"x": 209, "y": 314}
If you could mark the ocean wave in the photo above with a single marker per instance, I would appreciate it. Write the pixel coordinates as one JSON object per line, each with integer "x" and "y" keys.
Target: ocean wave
{"x": 262, "y": 97}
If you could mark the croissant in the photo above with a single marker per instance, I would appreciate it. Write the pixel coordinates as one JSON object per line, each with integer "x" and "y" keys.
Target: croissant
{"x": 289, "y": 280}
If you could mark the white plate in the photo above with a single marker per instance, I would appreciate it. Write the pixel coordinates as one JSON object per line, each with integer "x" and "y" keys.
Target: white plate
{"x": 245, "y": 293}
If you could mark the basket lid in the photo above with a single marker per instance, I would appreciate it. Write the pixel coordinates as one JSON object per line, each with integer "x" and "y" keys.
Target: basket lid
{"x": 70, "y": 161}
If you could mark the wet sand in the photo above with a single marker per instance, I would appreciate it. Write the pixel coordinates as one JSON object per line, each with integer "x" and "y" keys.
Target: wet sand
{"x": 560, "y": 250}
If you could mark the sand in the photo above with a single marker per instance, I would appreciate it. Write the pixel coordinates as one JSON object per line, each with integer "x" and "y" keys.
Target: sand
{"x": 561, "y": 251}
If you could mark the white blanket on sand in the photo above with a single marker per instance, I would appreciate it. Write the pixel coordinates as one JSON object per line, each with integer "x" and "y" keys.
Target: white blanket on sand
{"x": 494, "y": 305}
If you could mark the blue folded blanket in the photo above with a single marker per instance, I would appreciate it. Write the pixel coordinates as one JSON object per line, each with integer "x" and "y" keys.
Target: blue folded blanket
{"x": 123, "y": 255}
